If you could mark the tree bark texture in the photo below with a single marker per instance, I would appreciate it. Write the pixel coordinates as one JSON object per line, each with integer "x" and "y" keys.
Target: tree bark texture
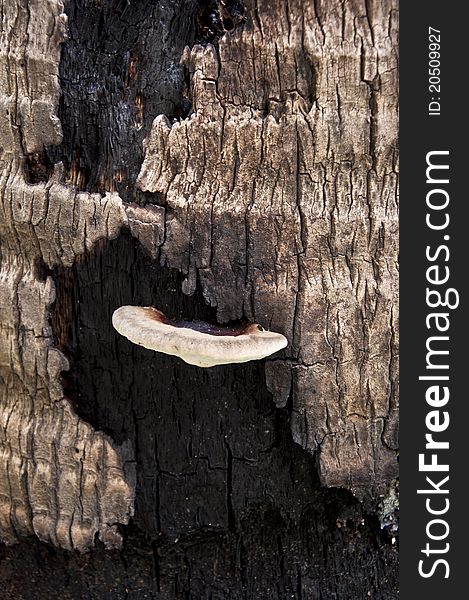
{"x": 220, "y": 161}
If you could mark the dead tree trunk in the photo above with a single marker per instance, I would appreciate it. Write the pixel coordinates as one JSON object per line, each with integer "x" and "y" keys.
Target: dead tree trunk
{"x": 219, "y": 160}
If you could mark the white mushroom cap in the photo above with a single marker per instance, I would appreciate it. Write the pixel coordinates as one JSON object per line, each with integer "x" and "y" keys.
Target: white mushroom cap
{"x": 195, "y": 342}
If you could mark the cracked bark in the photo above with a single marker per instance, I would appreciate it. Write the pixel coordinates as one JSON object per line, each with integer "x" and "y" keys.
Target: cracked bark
{"x": 266, "y": 188}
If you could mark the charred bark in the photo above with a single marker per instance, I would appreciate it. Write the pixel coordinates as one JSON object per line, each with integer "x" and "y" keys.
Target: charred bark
{"x": 266, "y": 189}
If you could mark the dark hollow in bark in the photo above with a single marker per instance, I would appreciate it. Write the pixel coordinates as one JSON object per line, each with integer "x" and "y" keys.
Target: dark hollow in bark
{"x": 231, "y": 507}
{"x": 117, "y": 72}
{"x": 209, "y": 443}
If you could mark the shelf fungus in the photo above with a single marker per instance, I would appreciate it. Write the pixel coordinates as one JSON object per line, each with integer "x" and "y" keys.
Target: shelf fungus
{"x": 196, "y": 342}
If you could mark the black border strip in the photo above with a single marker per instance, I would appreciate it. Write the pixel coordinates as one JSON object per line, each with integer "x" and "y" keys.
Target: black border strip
{"x": 425, "y": 128}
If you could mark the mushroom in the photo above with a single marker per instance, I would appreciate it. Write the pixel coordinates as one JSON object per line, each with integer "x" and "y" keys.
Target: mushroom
{"x": 196, "y": 342}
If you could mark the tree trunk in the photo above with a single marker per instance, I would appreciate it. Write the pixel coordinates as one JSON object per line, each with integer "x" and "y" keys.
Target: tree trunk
{"x": 219, "y": 160}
